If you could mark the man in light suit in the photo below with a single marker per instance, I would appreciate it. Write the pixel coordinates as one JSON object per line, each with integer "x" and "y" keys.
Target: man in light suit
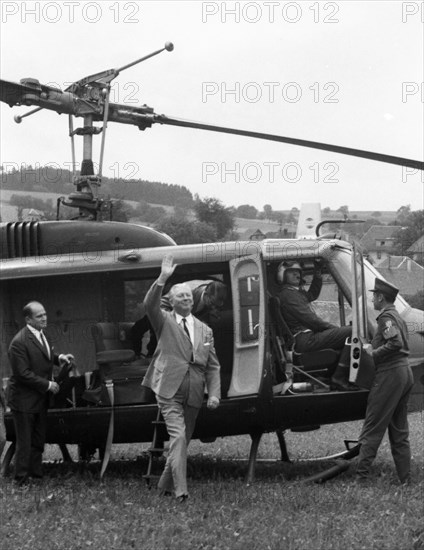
{"x": 32, "y": 358}
{"x": 183, "y": 364}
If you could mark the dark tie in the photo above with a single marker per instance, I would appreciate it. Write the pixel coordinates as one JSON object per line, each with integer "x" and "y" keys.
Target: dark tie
{"x": 45, "y": 345}
{"x": 184, "y": 321}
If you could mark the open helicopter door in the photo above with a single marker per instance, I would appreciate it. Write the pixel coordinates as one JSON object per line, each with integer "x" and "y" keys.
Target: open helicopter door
{"x": 248, "y": 284}
{"x": 362, "y": 368}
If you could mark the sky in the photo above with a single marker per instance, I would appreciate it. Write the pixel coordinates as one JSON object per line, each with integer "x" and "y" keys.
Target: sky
{"x": 345, "y": 73}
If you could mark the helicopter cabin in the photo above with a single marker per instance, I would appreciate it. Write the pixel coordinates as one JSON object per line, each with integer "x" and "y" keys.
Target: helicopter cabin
{"x": 94, "y": 297}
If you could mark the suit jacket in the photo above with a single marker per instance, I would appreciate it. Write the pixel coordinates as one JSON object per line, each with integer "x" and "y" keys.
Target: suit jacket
{"x": 31, "y": 371}
{"x": 175, "y": 354}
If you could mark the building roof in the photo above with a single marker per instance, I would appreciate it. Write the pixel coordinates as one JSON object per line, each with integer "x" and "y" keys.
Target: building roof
{"x": 400, "y": 262}
{"x": 257, "y": 235}
{"x": 417, "y": 246}
{"x": 408, "y": 282}
{"x": 404, "y": 273}
{"x": 379, "y": 233}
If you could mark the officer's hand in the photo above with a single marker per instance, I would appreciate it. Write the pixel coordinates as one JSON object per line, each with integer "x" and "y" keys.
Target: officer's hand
{"x": 213, "y": 402}
{"x": 367, "y": 348}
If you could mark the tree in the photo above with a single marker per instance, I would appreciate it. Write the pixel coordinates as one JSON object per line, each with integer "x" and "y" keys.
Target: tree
{"x": 292, "y": 218}
{"x": 279, "y": 217}
{"x": 185, "y": 231}
{"x": 212, "y": 211}
{"x": 120, "y": 211}
{"x": 147, "y": 213}
{"x": 417, "y": 300}
{"x": 326, "y": 210}
{"x": 411, "y": 230}
{"x": 246, "y": 211}
{"x": 23, "y": 202}
{"x": 267, "y": 211}
{"x": 402, "y": 214}
{"x": 344, "y": 210}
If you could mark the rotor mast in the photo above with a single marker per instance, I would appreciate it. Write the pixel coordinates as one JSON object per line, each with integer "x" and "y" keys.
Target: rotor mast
{"x": 92, "y": 95}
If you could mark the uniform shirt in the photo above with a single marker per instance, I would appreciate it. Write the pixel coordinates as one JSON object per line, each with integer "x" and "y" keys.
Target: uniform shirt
{"x": 390, "y": 343}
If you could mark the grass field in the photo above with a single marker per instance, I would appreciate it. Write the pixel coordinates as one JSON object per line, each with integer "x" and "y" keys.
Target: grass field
{"x": 74, "y": 510}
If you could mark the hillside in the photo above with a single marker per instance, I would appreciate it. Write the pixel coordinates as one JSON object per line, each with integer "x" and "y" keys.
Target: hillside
{"x": 243, "y": 226}
{"x": 9, "y": 212}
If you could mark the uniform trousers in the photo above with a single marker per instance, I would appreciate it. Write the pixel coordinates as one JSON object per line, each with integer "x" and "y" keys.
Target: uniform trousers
{"x": 387, "y": 407}
{"x": 180, "y": 420}
{"x": 331, "y": 338}
{"x": 30, "y": 430}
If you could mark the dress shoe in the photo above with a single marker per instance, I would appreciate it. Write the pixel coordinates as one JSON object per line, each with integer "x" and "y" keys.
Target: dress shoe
{"x": 182, "y": 498}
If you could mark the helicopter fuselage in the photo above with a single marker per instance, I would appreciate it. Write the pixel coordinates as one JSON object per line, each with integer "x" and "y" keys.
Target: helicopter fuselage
{"x": 100, "y": 274}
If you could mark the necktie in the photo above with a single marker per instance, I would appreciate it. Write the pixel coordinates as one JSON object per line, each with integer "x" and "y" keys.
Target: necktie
{"x": 184, "y": 321}
{"x": 44, "y": 343}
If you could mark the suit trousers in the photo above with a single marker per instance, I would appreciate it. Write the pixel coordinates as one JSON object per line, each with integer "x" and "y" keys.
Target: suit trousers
{"x": 2, "y": 429}
{"x": 30, "y": 430}
{"x": 180, "y": 420}
{"x": 387, "y": 407}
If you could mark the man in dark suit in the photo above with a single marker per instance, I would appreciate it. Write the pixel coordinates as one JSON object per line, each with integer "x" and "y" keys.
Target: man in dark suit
{"x": 184, "y": 363}
{"x": 32, "y": 358}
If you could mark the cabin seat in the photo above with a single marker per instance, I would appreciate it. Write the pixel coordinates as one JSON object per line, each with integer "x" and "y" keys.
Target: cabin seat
{"x": 114, "y": 354}
{"x": 318, "y": 362}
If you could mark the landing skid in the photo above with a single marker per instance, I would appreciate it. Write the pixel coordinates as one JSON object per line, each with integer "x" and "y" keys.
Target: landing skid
{"x": 343, "y": 457}
{"x": 256, "y": 438}
{"x": 349, "y": 453}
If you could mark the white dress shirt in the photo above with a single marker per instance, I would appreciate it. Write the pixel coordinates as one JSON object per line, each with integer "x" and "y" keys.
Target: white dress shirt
{"x": 41, "y": 338}
{"x": 189, "y": 323}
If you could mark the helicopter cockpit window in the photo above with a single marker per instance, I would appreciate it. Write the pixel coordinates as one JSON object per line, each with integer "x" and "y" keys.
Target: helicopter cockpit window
{"x": 331, "y": 305}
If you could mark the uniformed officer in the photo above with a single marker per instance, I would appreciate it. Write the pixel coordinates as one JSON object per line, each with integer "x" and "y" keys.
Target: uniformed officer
{"x": 388, "y": 397}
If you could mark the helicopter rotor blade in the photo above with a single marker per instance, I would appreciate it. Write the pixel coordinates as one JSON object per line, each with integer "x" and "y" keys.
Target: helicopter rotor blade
{"x": 410, "y": 163}
{"x": 31, "y": 92}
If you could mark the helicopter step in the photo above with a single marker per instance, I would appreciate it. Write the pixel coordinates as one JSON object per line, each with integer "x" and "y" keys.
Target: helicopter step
{"x": 157, "y": 448}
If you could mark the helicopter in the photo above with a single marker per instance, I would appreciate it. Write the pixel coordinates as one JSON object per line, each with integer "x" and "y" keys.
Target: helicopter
{"x": 98, "y": 271}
